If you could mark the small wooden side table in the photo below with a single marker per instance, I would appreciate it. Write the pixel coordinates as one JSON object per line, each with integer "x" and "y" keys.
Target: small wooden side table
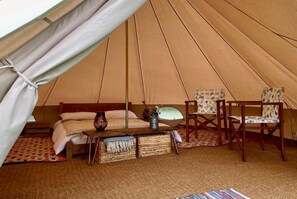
{"x": 40, "y": 127}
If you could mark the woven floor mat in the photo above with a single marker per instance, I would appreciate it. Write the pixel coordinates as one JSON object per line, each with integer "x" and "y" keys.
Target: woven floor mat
{"x": 205, "y": 138}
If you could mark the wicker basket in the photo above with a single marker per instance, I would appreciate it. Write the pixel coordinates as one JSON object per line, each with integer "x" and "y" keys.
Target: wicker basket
{"x": 154, "y": 145}
{"x": 104, "y": 157}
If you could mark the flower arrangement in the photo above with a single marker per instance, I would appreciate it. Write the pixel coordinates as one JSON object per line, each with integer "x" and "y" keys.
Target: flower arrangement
{"x": 149, "y": 111}
{"x": 155, "y": 111}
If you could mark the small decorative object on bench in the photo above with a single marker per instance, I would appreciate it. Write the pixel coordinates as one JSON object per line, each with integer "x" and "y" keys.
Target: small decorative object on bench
{"x": 116, "y": 149}
{"x": 154, "y": 145}
{"x": 154, "y": 123}
{"x": 100, "y": 122}
{"x": 151, "y": 114}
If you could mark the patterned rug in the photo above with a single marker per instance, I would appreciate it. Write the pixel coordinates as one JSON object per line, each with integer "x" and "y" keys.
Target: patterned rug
{"x": 33, "y": 149}
{"x": 219, "y": 194}
{"x": 205, "y": 138}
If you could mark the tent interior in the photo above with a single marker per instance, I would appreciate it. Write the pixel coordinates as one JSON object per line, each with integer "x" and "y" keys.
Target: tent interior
{"x": 174, "y": 48}
{"x": 220, "y": 44}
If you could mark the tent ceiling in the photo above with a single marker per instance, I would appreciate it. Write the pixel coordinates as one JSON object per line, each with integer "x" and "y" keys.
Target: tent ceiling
{"x": 176, "y": 47}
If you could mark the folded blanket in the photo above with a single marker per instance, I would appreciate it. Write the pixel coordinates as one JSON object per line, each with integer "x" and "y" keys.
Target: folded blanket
{"x": 118, "y": 144}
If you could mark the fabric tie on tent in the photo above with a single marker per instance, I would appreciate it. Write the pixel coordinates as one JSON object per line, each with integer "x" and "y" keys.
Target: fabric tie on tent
{"x": 118, "y": 144}
{"x": 14, "y": 69}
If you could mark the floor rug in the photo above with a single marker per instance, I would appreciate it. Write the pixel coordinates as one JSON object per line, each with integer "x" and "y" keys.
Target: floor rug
{"x": 205, "y": 138}
{"x": 33, "y": 149}
{"x": 219, "y": 194}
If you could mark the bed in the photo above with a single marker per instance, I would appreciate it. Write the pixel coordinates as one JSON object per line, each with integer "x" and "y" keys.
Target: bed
{"x": 78, "y": 117}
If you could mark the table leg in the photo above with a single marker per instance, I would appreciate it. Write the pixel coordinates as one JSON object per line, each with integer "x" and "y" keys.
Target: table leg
{"x": 90, "y": 150}
{"x": 96, "y": 149}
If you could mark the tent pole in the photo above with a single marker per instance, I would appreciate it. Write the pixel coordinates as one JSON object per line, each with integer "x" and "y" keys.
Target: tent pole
{"x": 127, "y": 77}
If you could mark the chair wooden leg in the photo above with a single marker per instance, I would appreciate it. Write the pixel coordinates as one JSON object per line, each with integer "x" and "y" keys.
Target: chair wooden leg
{"x": 231, "y": 128}
{"x": 262, "y": 137}
{"x": 196, "y": 127}
{"x": 243, "y": 144}
{"x": 219, "y": 130}
{"x": 226, "y": 127}
{"x": 282, "y": 144}
{"x": 187, "y": 129}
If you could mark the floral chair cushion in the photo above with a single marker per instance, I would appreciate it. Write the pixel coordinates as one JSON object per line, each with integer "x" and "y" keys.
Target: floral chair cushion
{"x": 206, "y": 100}
{"x": 257, "y": 120}
{"x": 271, "y": 95}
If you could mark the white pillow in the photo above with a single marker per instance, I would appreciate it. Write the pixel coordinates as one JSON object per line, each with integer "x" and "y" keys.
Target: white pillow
{"x": 91, "y": 115}
{"x": 78, "y": 116}
{"x": 119, "y": 114}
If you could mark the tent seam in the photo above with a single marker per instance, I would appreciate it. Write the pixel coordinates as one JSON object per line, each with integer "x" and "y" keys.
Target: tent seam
{"x": 171, "y": 54}
{"x": 243, "y": 34}
{"x": 104, "y": 66}
{"x": 139, "y": 58}
{"x": 280, "y": 35}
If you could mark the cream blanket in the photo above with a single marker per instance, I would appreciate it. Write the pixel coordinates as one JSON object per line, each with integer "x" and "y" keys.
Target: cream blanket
{"x": 77, "y": 126}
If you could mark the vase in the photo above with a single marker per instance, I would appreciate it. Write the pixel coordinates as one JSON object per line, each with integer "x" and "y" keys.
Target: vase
{"x": 154, "y": 123}
{"x": 100, "y": 122}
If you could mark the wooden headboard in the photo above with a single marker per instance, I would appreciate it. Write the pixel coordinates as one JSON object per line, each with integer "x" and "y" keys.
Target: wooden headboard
{"x": 92, "y": 107}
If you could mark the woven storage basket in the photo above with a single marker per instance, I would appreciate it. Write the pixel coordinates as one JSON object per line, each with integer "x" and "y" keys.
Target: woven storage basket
{"x": 104, "y": 157}
{"x": 154, "y": 145}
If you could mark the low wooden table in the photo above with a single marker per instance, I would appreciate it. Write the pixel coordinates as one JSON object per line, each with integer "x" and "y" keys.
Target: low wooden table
{"x": 97, "y": 135}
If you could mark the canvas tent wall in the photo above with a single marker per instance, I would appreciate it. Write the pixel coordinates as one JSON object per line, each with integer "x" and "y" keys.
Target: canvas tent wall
{"x": 176, "y": 47}
{"x": 240, "y": 46}
{"x": 49, "y": 54}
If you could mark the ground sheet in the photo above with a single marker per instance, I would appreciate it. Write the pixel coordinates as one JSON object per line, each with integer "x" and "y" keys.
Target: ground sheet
{"x": 33, "y": 149}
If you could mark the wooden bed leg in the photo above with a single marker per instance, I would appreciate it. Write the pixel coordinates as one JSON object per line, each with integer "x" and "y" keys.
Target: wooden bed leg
{"x": 69, "y": 147}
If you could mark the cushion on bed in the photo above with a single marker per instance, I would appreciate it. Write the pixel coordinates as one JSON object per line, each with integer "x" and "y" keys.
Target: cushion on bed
{"x": 78, "y": 116}
{"x": 91, "y": 115}
{"x": 119, "y": 114}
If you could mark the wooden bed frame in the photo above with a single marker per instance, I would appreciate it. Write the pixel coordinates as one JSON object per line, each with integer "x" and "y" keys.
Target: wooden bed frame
{"x": 74, "y": 149}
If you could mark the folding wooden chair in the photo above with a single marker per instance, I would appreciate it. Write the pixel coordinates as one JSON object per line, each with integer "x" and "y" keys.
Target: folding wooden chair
{"x": 210, "y": 109}
{"x": 271, "y": 119}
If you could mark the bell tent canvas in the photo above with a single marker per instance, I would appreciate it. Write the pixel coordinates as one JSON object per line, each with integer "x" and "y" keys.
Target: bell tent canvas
{"x": 49, "y": 54}
{"x": 174, "y": 48}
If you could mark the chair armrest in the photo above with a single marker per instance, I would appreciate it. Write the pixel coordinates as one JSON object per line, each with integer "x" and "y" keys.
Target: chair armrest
{"x": 254, "y": 103}
{"x": 190, "y": 101}
{"x": 272, "y": 103}
{"x": 245, "y": 102}
{"x": 242, "y": 104}
{"x": 221, "y": 101}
